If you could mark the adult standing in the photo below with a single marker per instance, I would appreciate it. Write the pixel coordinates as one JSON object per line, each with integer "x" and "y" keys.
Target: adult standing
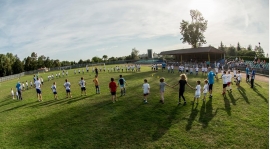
{"x": 252, "y": 77}
{"x": 18, "y": 86}
{"x": 38, "y": 89}
{"x": 211, "y": 76}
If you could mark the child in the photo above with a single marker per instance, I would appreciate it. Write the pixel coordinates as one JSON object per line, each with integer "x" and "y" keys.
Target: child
{"x": 229, "y": 81}
{"x": 238, "y": 79}
{"x": 197, "y": 70}
{"x": 67, "y": 85}
{"x": 197, "y": 92}
{"x": 146, "y": 90}
{"x": 122, "y": 83}
{"x": 186, "y": 69}
{"x": 96, "y": 84}
{"x": 168, "y": 68}
{"x": 23, "y": 86}
{"x": 162, "y": 85}
{"x": 172, "y": 69}
{"x": 31, "y": 84}
{"x": 12, "y": 93}
{"x": 17, "y": 94}
{"x": 205, "y": 89}
{"x": 225, "y": 82}
{"x": 82, "y": 83}
{"x": 191, "y": 70}
{"x": 41, "y": 79}
{"x": 26, "y": 83}
{"x": 113, "y": 87}
{"x": 182, "y": 82}
{"x": 54, "y": 90}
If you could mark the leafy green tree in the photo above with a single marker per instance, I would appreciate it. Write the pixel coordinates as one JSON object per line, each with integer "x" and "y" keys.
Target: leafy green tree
{"x": 48, "y": 63}
{"x": 56, "y": 63}
{"x": 104, "y": 57}
{"x": 135, "y": 54}
{"x": 17, "y": 66}
{"x": 193, "y": 32}
{"x": 259, "y": 51}
{"x": 238, "y": 47}
{"x": 5, "y": 66}
{"x": 96, "y": 59}
{"x": 231, "y": 51}
{"x": 249, "y": 48}
{"x": 221, "y": 47}
{"x": 80, "y": 61}
{"x": 41, "y": 61}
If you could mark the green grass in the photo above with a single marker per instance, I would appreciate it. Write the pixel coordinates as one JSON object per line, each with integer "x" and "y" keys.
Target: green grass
{"x": 239, "y": 120}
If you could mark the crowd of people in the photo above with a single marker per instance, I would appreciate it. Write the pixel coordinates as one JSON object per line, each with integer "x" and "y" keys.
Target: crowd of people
{"x": 226, "y": 76}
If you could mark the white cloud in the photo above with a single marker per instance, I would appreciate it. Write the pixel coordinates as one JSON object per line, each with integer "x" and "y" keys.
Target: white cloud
{"x": 62, "y": 29}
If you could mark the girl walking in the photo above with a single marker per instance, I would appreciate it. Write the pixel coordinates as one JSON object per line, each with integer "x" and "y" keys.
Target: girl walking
{"x": 182, "y": 83}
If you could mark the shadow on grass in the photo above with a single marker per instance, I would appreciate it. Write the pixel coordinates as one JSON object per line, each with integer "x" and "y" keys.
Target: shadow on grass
{"x": 100, "y": 125}
{"x": 227, "y": 105}
{"x": 192, "y": 116}
{"x": 259, "y": 94}
{"x": 242, "y": 91}
{"x": 206, "y": 113}
{"x": 233, "y": 100}
{"x": 257, "y": 84}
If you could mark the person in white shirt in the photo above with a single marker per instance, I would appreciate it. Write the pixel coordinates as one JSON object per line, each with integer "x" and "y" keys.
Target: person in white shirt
{"x": 67, "y": 85}
{"x": 82, "y": 83}
{"x": 59, "y": 75}
{"x": 205, "y": 89}
{"x": 186, "y": 70}
{"x": 238, "y": 79}
{"x": 63, "y": 73}
{"x": 197, "y": 70}
{"x": 197, "y": 92}
{"x": 202, "y": 70}
{"x": 79, "y": 71}
{"x": 26, "y": 84}
{"x": 146, "y": 90}
{"x": 168, "y": 68}
{"x": 172, "y": 69}
{"x": 12, "y": 93}
{"x": 191, "y": 70}
{"x": 38, "y": 89}
{"x": 56, "y": 75}
{"x": 41, "y": 80}
{"x": 74, "y": 71}
{"x": 23, "y": 86}
{"x": 234, "y": 72}
{"x": 224, "y": 77}
{"x": 66, "y": 73}
{"x": 31, "y": 84}
{"x": 54, "y": 90}
{"x": 179, "y": 69}
{"x": 229, "y": 81}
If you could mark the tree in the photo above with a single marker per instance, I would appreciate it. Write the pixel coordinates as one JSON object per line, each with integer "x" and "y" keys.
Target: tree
{"x": 221, "y": 47}
{"x": 193, "y": 32}
{"x": 88, "y": 61}
{"x": 259, "y": 51}
{"x": 48, "y": 63}
{"x": 104, "y": 57}
{"x": 5, "y": 66}
{"x": 135, "y": 54}
{"x": 96, "y": 59}
{"x": 56, "y": 63}
{"x": 41, "y": 61}
{"x": 238, "y": 47}
{"x": 231, "y": 51}
{"x": 80, "y": 61}
{"x": 17, "y": 66}
{"x": 249, "y": 48}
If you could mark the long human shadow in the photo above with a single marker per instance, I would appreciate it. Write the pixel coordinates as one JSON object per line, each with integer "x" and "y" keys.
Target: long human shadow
{"x": 227, "y": 105}
{"x": 17, "y": 107}
{"x": 242, "y": 91}
{"x": 102, "y": 125}
{"x": 206, "y": 113}
{"x": 192, "y": 116}
{"x": 259, "y": 94}
{"x": 233, "y": 100}
{"x": 257, "y": 84}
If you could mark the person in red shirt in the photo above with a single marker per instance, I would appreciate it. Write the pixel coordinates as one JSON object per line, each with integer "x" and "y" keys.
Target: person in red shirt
{"x": 113, "y": 87}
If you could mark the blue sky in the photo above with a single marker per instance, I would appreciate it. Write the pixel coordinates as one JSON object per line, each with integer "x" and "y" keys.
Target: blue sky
{"x": 79, "y": 29}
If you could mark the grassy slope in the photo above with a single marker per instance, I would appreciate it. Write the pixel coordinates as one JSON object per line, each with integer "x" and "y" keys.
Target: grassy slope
{"x": 239, "y": 120}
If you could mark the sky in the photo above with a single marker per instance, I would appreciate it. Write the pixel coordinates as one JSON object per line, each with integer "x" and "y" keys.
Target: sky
{"x": 81, "y": 29}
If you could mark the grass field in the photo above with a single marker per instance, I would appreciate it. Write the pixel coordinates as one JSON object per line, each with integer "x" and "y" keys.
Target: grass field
{"x": 238, "y": 120}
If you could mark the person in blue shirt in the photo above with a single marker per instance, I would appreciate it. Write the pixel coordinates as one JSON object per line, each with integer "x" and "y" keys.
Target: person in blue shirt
{"x": 247, "y": 74}
{"x": 163, "y": 66}
{"x": 18, "y": 86}
{"x": 122, "y": 83}
{"x": 211, "y": 76}
{"x": 252, "y": 78}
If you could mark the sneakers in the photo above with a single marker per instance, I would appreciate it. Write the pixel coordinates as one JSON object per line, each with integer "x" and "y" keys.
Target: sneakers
{"x": 145, "y": 101}
{"x": 210, "y": 96}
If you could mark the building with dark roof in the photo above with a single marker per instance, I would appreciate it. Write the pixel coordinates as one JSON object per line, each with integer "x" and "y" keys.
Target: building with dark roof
{"x": 199, "y": 54}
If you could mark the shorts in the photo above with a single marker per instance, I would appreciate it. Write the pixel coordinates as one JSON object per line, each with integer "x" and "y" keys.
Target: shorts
{"x": 145, "y": 94}
{"x": 113, "y": 93}
{"x": 97, "y": 86}
{"x": 54, "y": 93}
{"x": 83, "y": 88}
{"x": 210, "y": 86}
{"x": 68, "y": 91}
{"x": 197, "y": 96}
{"x": 204, "y": 94}
{"x": 122, "y": 86}
{"x": 229, "y": 83}
{"x": 224, "y": 85}
{"x": 186, "y": 70}
{"x": 38, "y": 91}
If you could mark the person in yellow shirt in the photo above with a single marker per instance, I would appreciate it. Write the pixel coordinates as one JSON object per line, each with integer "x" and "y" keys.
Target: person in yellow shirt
{"x": 96, "y": 84}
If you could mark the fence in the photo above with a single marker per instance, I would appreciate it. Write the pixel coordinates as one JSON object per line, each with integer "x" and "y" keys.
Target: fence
{"x": 16, "y": 76}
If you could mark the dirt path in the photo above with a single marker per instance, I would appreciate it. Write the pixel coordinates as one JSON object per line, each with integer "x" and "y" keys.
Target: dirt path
{"x": 257, "y": 77}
